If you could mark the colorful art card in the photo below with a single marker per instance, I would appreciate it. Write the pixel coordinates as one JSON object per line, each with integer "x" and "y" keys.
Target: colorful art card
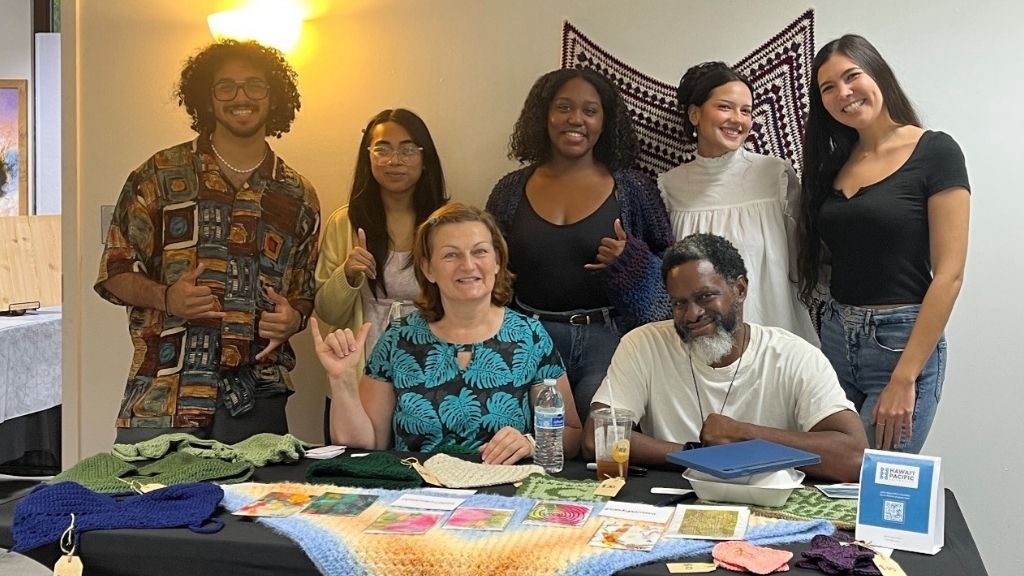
{"x": 563, "y": 514}
{"x": 404, "y": 522}
{"x": 627, "y": 535}
{"x": 276, "y": 505}
{"x": 340, "y": 504}
{"x": 480, "y": 519}
{"x": 709, "y": 522}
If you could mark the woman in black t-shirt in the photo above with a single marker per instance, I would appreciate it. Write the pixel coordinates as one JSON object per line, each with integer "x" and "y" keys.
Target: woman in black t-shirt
{"x": 884, "y": 221}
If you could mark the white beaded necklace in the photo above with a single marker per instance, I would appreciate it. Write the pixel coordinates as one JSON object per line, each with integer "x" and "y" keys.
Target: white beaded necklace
{"x": 266, "y": 150}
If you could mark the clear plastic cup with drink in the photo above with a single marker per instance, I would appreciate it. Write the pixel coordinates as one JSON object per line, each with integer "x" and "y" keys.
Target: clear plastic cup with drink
{"x": 611, "y": 441}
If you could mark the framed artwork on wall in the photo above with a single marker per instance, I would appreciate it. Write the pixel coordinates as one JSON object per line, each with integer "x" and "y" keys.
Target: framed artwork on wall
{"x": 13, "y": 147}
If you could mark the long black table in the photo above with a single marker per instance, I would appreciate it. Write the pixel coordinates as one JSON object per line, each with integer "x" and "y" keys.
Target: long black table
{"x": 245, "y": 548}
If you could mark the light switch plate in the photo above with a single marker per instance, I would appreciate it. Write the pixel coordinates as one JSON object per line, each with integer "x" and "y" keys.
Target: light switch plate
{"x": 106, "y": 215}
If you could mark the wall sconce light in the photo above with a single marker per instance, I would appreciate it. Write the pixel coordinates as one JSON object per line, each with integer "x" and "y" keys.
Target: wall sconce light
{"x": 276, "y": 24}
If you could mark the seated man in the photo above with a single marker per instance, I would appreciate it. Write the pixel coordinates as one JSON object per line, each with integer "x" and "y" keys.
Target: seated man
{"x": 708, "y": 376}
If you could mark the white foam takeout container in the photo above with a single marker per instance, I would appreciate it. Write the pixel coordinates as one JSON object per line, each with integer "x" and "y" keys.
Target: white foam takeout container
{"x": 770, "y": 489}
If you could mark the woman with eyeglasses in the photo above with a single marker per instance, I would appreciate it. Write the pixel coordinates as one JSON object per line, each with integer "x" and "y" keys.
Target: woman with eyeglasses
{"x": 585, "y": 232}
{"x": 457, "y": 374}
{"x": 884, "y": 223}
{"x": 364, "y": 273}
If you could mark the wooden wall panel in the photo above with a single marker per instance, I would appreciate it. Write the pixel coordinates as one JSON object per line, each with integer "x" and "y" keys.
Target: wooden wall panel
{"x": 30, "y": 267}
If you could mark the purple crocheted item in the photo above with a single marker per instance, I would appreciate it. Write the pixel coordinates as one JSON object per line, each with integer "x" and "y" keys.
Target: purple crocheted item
{"x": 42, "y": 516}
{"x": 829, "y": 555}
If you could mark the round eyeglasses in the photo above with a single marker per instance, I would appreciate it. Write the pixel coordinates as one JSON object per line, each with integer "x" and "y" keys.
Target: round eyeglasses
{"x": 227, "y": 90}
{"x": 407, "y": 153}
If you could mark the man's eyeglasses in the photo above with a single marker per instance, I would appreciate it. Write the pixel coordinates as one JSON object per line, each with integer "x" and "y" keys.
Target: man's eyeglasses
{"x": 407, "y": 153}
{"x": 226, "y": 90}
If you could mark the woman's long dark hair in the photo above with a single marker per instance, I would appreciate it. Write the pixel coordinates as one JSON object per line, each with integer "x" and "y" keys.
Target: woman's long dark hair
{"x": 828, "y": 144}
{"x": 365, "y": 207}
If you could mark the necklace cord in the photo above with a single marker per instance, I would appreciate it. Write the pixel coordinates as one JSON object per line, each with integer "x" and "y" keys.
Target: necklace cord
{"x": 739, "y": 363}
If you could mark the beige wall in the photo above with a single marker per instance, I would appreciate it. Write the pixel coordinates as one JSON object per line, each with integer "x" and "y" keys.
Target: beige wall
{"x": 466, "y": 66}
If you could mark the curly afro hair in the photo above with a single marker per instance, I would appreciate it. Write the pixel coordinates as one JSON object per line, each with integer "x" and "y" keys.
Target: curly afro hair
{"x": 193, "y": 89}
{"x": 617, "y": 148}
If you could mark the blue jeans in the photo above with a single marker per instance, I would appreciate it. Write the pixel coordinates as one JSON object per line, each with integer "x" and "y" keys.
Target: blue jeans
{"x": 586, "y": 351}
{"x": 864, "y": 345}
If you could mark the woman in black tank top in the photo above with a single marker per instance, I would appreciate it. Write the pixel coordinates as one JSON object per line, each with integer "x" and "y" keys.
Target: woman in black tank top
{"x": 585, "y": 232}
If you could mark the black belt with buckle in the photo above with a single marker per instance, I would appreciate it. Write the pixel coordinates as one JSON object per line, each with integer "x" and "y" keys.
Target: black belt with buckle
{"x": 577, "y": 319}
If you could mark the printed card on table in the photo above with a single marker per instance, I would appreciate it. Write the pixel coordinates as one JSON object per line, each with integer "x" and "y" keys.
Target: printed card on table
{"x": 902, "y": 502}
{"x": 847, "y": 491}
{"x": 275, "y": 504}
{"x": 564, "y": 514}
{"x": 637, "y": 512}
{"x": 480, "y": 519}
{"x": 627, "y": 535}
{"x": 425, "y": 502}
{"x": 709, "y": 522}
{"x": 340, "y": 504}
{"x": 404, "y": 522}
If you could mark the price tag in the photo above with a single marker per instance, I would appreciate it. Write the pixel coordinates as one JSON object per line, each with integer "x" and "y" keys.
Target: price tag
{"x": 69, "y": 565}
{"x": 690, "y": 567}
{"x": 610, "y": 487}
{"x": 887, "y": 566}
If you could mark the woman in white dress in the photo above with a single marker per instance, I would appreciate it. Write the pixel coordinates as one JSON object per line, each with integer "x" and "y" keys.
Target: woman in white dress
{"x": 748, "y": 198}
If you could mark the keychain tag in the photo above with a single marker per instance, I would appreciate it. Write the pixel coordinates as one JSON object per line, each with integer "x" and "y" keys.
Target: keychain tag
{"x": 690, "y": 567}
{"x": 887, "y": 566}
{"x": 610, "y": 487}
{"x": 69, "y": 564}
{"x": 427, "y": 475}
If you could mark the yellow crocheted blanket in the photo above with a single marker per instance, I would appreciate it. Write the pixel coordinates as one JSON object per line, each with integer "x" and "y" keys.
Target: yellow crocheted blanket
{"x": 338, "y": 544}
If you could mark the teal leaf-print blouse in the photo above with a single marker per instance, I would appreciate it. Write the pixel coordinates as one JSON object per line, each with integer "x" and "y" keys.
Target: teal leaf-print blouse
{"x": 436, "y": 399}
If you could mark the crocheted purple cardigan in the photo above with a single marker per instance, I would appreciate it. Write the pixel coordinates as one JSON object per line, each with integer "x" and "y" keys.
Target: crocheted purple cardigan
{"x": 633, "y": 282}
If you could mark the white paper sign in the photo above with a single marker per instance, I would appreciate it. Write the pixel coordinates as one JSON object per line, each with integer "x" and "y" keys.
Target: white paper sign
{"x": 424, "y": 502}
{"x": 902, "y": 502}
{"x": 640, "y": 512}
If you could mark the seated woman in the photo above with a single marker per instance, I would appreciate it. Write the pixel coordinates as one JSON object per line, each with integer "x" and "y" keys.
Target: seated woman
{"x": 459, "y": 371}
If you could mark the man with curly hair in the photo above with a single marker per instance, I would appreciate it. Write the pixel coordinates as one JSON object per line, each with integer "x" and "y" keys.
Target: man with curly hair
{"x": 706, "y": 376}
{"x": 212, "y": 248}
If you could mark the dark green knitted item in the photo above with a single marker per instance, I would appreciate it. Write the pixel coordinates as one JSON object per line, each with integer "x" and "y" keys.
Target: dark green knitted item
{"x": 375, "y": 470}
{"x": 109, "y": 474}
{"x": 453, "y": 449}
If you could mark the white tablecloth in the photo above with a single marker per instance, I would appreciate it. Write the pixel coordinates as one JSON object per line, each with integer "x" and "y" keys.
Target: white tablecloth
{"x": 30, "y": 371}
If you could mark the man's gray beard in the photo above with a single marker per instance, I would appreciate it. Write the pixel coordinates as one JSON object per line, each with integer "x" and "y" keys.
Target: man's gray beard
{"x": 711, "y": 349}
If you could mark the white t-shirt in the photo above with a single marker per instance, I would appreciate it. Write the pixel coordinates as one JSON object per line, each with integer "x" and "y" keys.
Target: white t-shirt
{"x": 783, "y": 382}
{"x": 750, "y": 200}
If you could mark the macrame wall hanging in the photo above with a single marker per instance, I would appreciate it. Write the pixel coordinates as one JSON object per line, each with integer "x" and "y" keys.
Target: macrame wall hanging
{"x": 778, "y": 69}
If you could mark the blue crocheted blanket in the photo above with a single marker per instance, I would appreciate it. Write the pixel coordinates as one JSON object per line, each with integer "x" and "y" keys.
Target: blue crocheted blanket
{"x": 338, "y": 545}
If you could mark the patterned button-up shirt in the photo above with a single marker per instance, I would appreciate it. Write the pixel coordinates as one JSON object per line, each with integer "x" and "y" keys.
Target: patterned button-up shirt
{"x": 176, "y": 211}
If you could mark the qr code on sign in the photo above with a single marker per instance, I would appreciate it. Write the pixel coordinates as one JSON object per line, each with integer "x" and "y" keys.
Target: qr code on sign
{"x": 893, "y": 511}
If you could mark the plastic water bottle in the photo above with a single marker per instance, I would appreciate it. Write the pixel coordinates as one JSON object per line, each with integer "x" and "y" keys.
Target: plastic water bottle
{"x": 548, "y": 425}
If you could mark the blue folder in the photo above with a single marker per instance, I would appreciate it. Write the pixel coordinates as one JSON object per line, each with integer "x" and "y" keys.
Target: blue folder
{"x": 743, "y": 458}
